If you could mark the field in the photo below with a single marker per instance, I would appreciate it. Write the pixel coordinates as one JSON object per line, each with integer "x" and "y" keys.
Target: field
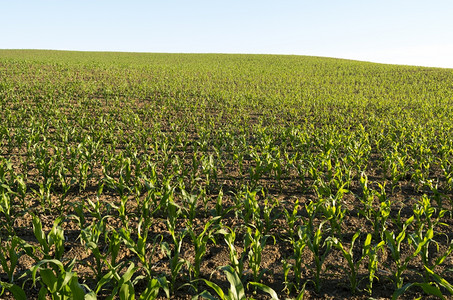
{"x": 129, "y": 175}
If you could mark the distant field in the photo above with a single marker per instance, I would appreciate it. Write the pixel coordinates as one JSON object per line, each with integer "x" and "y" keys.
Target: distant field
{"x": 173, "y": 175}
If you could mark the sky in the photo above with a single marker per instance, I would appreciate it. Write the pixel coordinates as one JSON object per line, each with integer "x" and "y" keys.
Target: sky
{"x": 398, "y": 31}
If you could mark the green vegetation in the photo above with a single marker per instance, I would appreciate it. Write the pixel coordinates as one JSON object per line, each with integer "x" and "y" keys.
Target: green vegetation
{"x": 135, "y": 175}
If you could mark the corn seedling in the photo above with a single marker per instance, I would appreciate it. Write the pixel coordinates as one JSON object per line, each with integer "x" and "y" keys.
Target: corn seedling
{"x": 256, "y": 243}
{"x": 320, "y": 247}
{"x": 236, "y": 290}
{"x": 353, "y": 263}
{"x": 57, "y": 280}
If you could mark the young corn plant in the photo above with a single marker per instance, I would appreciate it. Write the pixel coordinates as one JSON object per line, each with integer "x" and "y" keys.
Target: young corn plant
{"x": 44, "y": 194}
{"x": 425, "y": 225}
{"x": 394, "y": 245}
{"x": 219, "y": 209}
{"x": 21, "y": 187}
{"x": 58, "y": 280}
{"x": 122, "y": 282}
{"x": 257, "y": 242}
{"x": 367, "y": 198}
{"x": 237, "y": 261}
{"x": 353, "y": 263}
{"x": 334, "y": 213}
{"x": 372, "y": 251}
{"x": 381, "y": 215}
{"x": 6, "y": 207}
{"x": 83, "y": 175}
{"x": 113, "y": 241}
{"x": 54, "y": 238}
{"x": 190, "y": 205}
{"x": 139, "y": 247}
{"x": 209, "y": 169}
{"x": 429, "y": 287}
{"x": 251, "y": 210}
{"x": 66, "y": 183}
{"x": 90, "y": 237}
{"x": 292, "y": 219}
{"x": 176, "y": 262}
{"x": 269, "y": 217}
{"x": 296, "y": 283}
{"x": 236, "y": 290}
{"x": 153, "y": 287}
{"x": 200, "y": 242}
{"x": 10, "y": 253}
{"x": 320, "y": 247}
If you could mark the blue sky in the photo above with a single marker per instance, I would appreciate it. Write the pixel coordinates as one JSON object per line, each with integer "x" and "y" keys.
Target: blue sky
{"x": 398, "y": 31}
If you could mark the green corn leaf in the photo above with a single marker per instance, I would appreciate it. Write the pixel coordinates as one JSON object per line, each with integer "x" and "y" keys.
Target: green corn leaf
{"x": 76, "y": 289}
{"x": 127, "y": 291}
{"x": 236, "y": 286}
{"x": 42, "y": 293}
{"x": 39, "y": 234}
{"x": 215, "y": 287}
{"x": 431, "y": 289}
{"x": 427, "y": 288}
{"x": 106, "y": 278}
{"x": 401, "y": 291}
{"x": 164, "y": 285}
{"x": 128, "y": 274}
{"x": 49, "y": 279}
{"x": 440, "y": 280}
{"x": 68, "y": 276}
{"x": 265, "y": 289}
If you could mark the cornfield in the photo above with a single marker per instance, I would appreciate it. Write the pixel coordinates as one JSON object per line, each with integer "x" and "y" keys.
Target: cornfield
{"x": 144, "y": 176}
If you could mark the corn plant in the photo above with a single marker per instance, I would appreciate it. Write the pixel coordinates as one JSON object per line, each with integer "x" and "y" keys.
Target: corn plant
{"x": 122, "y": 282}
{"x": 10, "y": 254}
{"x": 21, "y": 187}
{"x": 380, "y": 216}
{"x": 251, "y": 212}
{"x": 367, "y": 198}
{"x": 256, "y": 243}
{"x": 44, "y": 194}
{"x": 354, "y": 263}
{"x": 6, "y": 210}
{"x": 292, "y": 219}
{"x": 298, "y": 244}
{"x": 200, "y": 242}
{"x": 320, "y": 247}
{"x": 372, "y": 250}
{"x": 237, "y": 260}
{"x": 90, "y": 237}
{"x": 153, "y": 287}
{"x": 334, "y": 213}
{"x": 176, "y": 262}
{"x": 190, "y": 205}
{"x": 269, "y": 217}
{"x": 57, "y": 280}
{"x": 54, "y": 238}
{"x": 394, "y": 245}
{"x": 66, "y": 183}
{"x": 236, "y": 290}
{"x": 430, "y": 288}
